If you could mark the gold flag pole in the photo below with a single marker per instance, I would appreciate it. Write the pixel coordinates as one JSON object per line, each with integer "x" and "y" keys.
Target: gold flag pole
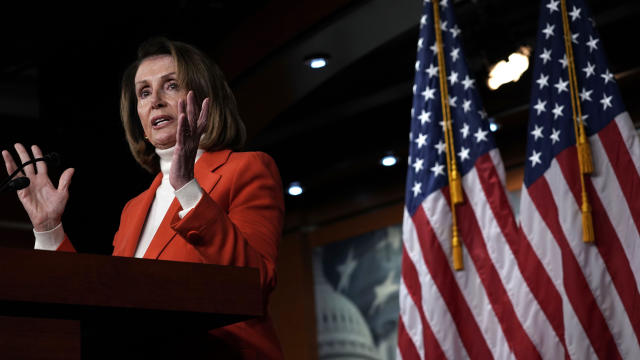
{"x": 455, "y": 185}
{"x": 585, "y": 160}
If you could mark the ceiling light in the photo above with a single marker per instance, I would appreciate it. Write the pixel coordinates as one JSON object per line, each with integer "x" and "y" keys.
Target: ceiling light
{"x": 317, "y": 61}
{"x": 511, "y": 70}
{"x": 295, "y": 189}
{"x": 493, "y": 125}
{"x": 389, "y": 160}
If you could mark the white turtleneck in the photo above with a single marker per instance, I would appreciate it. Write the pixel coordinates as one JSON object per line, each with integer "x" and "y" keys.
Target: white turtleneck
{"x": 188, "y": 196}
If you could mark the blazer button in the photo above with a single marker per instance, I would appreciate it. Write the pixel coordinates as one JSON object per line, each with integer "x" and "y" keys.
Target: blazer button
{"x": 194, "y": 236}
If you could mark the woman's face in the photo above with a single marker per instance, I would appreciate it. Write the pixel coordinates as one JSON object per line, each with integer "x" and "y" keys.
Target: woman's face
{"x": 158, "y": 93}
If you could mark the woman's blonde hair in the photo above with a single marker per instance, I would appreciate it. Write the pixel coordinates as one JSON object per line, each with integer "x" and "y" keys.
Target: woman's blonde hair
{"x": 196, "y": 72}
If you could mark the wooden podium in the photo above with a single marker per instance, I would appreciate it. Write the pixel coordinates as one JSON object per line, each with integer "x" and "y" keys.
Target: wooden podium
{"x": 56, "y": 305}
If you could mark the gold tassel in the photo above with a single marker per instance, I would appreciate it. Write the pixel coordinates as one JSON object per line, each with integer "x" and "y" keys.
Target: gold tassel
{"x": 456, "y": 249}
{"x": 455, "y": 187}
{"x": 587, "y": 222}
{"x": 584, "y": 151}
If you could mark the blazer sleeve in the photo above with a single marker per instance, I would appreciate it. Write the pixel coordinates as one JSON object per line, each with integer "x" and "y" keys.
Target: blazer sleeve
{"x": 248, "y": 231}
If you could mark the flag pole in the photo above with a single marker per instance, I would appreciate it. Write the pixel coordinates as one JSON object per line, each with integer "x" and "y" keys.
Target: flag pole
{"x": 455, "y": 186}
{"x": 585, "y": 160}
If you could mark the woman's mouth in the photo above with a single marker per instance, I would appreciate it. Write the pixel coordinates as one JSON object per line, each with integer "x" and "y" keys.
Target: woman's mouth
{"x": 160, "y": 121}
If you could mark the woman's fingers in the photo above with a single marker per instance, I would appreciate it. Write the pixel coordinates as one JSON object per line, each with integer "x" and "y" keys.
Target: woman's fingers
{"x": 65, "y": 180}
{"x": 41, "y": 166}
{"x": 9, "y": 164}
{"x": 204, "y": 114}
{"x": 191, "y": 111}
{"x": 24, "y": 157}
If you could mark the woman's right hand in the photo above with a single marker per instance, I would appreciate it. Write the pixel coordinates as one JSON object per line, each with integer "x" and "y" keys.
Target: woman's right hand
{"x": 42, "y": 201}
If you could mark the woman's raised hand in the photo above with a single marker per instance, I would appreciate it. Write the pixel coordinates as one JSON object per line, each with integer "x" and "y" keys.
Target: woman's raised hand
{"x": 42, "y": 201}
{"x": 191, "y": 125}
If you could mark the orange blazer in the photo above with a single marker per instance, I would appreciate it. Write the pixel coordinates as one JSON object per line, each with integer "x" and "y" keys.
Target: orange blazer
{"x": 238, "y": 222}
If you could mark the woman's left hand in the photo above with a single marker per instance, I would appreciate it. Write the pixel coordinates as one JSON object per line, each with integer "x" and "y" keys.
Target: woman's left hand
{"x": 190, "y": 129}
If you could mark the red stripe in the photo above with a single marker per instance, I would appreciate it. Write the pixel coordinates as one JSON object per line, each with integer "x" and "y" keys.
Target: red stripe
{"x": 530, "y": 266}
{"x": 405, "y": 345}
{"x": 623, "y": 166}
{"x": 411, "y": 280}
{"x": 517, "y": 338}
{"x": 575, "y": 284}
{"x": 437, "y": 263}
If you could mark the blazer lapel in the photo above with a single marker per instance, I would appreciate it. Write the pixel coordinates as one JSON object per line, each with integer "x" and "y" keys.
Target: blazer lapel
{"x": 138, "y": 215}
{"x": 208, "y": 163}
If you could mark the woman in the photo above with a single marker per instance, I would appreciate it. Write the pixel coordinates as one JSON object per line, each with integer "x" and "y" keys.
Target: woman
{"x": 207, "y": 204}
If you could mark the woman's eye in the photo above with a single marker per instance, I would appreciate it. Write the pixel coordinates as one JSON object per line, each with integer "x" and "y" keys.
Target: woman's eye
{"x": 173, "y": 85}
{"x": 144, "y": 93}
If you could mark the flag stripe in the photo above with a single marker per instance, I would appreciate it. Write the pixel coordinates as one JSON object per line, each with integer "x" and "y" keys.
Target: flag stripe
{"x": 406, "y": 347}
{"x": 602, "y": 262}
{"x": 473, "y": 238}
{"x": 410, "y": 276}
{"x": 437, "y": 263}
{"x": 575, "y": 285}
{"x": 621, "y": 162}
{"x": 433, "y": 305}
{"x": 630, "y": 137}
{"x": 548, "y": 337}
{"x": 536, "y": 231}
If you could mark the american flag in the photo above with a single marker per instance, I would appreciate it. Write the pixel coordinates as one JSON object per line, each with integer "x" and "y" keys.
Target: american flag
{"x": 589, "y": 292}
{"x": 486, "y": 310}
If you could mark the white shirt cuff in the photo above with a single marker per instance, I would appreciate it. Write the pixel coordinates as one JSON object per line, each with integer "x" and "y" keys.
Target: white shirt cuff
{"x": 49, "y": 240}
{"x": 188, "y": 196}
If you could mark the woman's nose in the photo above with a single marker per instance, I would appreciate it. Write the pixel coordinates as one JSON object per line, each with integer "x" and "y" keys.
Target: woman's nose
{"x": 157, "y": 101}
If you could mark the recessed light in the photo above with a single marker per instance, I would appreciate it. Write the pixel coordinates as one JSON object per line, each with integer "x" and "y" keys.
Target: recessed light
{"x": 493, "y": 125}
{"x": 295, "y": 189}
{"x": 389, "y": 160}
{"x": 511, "y": 70}
{"x": 317, "y": 61}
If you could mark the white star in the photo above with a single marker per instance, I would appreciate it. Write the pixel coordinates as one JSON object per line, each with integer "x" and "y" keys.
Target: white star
{"x": 542, "y": 81}
{"x": 607, "y": 76}
{"x": 452, "y": 101}
{"x": 420, "y": 41}
{"x": 414, "y": 89}
{"x": 468, "y": 82}
{"x": 444, "y": 3}
{"x": 417, "y": 65}
{"x": 548, "y": 31}
{"x": 564, "y": 61}
{"x": 480, "y": 135}
{"x": 455, "y": 54}
{"x": 417, "y": 165}
{"x": 464, "y": 154}
{"x": 535, "y": 158}
{"x": 434, "y": 48}
{"x": 540, "y": 106}
{"x": 574, "y": 38}
{"x": 555, "y": 136}
{"x": 346, "y": 270}
{"x": 438, "y": 169}
{"x": 483, "y": 114}
{"x": 466, "y": 106}
{"x": 424, "y": 117}
{"x": 605, "y": 101}
{"x": 589, "y": 70}
{"x": 465, "y": 130}
{"x": 423, "y": 21}
{"x": 585, "y": 94}
{"x": 545, "y": 56}
{"x": 416, "y": 188}
{"x": 428, "y": 93}
{"x": 455, "y": 31}
{"x": 443, "y": 25}
{"x": 440, "y": 146}
{"x": 584, "y": 120}
{"x": 575, "y": 14}
{"x": 431, "y": 70}
{"x": 384, "y": 291}
{"x": 453, "y": 78}
{"x": 421, "y": 140}
{"x": 537, "y": 132}
{"x": 413, "y": 111}
{"x": 561, "y": 86}
{"x": 552, "y": 6}
{"x": 592, "y": 44}
{"x": 557, "y": 111}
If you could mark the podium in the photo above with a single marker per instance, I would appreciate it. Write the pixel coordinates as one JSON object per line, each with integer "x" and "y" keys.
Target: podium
{"x": 56, "y": 305}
